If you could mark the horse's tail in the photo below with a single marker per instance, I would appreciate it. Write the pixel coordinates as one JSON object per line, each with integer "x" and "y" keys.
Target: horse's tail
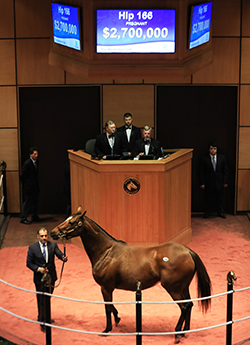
{"x": 203, "y": 281}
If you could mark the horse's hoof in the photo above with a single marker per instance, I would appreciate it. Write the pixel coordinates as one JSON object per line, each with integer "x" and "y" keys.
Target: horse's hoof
{"x": 117, "y": 320}
{"x": 103, "y": 334}
{"x": 177, "y": 339}
{"x": 106, "y": 331}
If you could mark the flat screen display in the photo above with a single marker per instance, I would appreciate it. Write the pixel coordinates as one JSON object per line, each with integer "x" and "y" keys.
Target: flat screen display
{"x": 200, "y": 24}
{"x": 135, "y": 31}
{"x": 66, "y": 25}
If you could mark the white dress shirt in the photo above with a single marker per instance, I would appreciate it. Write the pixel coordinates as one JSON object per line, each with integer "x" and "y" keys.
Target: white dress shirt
{"x": 128, "y": 132}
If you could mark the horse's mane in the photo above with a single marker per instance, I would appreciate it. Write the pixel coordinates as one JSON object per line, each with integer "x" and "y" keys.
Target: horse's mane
{"x": 100, "y": 228}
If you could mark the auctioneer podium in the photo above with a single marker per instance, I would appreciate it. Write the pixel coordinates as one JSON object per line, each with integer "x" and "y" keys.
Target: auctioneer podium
{"x": 139, "y": 202}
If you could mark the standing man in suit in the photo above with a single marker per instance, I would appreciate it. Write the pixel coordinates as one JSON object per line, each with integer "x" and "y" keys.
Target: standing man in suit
{"x": 109, "y": 143}
{"x": 213, "y": 174}
{"x": 147, "y": 145}
{"x": 30, "y": 186}
{"x": 130, "y": 133}
{"x": 41, "y": 260}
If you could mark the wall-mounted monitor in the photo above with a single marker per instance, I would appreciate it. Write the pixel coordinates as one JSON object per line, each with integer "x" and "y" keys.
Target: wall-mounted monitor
{"x": 66, "y": 25}
{"x": 200, "y": 24}
{"x": 135, "y": 31}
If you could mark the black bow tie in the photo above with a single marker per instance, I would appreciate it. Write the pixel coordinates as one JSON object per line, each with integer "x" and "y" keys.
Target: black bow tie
{"x": 111, "y": 136}
{"x": 147, "y": 142}
{"x": 128, "y": 127}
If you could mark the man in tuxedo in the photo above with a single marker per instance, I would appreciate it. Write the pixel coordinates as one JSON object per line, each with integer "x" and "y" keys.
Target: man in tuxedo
{"x": 213, "y": 175}
{"x": 130, "y": 133}
{"x": 110, "y": 142}
{"x": 41, "y": 260}
{"x": 30, "y": 187}
{"x": 147, "y": 145}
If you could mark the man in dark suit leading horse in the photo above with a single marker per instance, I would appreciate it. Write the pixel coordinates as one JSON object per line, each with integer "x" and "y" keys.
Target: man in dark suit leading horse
{"x": 41, "y": 260}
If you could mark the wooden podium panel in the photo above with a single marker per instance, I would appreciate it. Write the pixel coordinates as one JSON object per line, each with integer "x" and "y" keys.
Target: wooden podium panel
{"x": 156, "y": 210}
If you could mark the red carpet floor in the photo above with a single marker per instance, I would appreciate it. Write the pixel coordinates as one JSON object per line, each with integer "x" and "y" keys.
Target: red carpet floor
{"x": 223, "y": 245}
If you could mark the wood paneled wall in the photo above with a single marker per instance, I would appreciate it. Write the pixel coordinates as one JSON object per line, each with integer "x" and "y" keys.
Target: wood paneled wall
{"x": 24, "y": 47}
{"x": 135, "y": 99}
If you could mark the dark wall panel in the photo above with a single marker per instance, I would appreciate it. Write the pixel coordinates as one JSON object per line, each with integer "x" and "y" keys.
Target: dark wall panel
{"x": 56, "y": 119}
{"x": 192, "y": 117}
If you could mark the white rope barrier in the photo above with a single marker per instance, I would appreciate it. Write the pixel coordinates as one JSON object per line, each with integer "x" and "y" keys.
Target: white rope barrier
{"x": 133, "y": 302}
{"x": 59, "y": 327}
{"x": 122, "y": 334}
{"x": 243, "y": 289}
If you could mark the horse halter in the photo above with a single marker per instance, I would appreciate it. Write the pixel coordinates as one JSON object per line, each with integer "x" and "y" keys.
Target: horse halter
{"x": 67, "y": 234}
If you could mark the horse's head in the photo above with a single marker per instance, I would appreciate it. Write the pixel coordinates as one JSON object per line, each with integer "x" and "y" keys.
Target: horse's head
{"x": 70, "y": 227}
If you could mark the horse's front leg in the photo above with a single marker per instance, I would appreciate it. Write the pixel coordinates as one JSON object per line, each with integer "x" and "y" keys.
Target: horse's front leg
{"x": 117, "y": 318}
{"x": 107, "y": 297}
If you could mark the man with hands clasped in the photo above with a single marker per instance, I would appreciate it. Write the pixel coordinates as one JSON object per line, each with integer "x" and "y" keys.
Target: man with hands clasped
{"x": 213, "y": 175}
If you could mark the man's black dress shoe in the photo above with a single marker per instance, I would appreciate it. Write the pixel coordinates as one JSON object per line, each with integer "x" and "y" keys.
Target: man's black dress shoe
{"x": 207, "y": 215}
{"x": 222, "y": 215}
{"x": 25, "y": 221}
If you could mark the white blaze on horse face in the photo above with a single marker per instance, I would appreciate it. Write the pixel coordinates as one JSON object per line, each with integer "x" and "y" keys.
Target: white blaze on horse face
{"x": 70, "y": 217}
{"x": 165, "y": 259}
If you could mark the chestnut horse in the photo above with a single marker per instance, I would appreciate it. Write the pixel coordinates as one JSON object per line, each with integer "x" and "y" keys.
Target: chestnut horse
{"x": 117, "y": 265}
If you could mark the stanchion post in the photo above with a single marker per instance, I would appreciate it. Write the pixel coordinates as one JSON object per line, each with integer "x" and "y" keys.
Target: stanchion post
{"x": 5, "y": 205}
{"x": 48, "y": 319}
{"x": 230, "y": 277}
{"x": 46, "y": 281}
{"x": 138, "y": 314}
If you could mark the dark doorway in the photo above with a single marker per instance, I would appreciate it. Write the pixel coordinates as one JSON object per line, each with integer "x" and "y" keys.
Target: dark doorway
{"x": 56, "y": 119}
{"x": 194, "y": 116}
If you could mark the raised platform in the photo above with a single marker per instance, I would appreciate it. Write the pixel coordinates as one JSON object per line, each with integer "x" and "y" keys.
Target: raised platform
{"x": 137, "y": 201}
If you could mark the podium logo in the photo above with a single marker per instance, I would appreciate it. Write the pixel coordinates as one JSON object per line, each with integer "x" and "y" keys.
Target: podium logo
{"x": 132, "y": 185}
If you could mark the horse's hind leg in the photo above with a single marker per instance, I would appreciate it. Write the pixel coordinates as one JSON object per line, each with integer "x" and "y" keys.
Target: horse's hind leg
{"x": 188, "y": 307}
{"x": 188, "y": 317}
{"x": 179, "y": 324}
{"x": 185, "y": 317}
{"x": 185, "y": 312}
